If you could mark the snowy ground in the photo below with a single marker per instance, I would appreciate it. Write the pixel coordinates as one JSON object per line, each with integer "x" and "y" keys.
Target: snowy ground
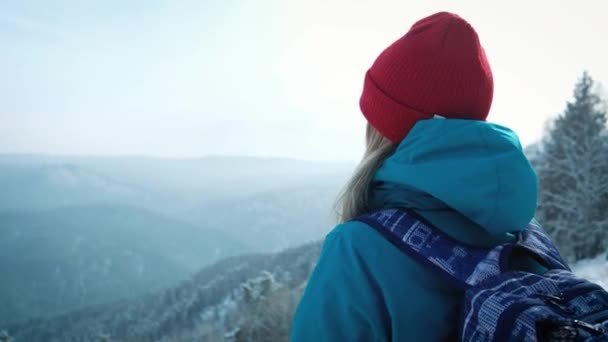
{"x": 595, "y": 270}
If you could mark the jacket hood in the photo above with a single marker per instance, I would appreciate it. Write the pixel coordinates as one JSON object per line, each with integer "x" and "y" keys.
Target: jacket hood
{"x": 460, "y": 172}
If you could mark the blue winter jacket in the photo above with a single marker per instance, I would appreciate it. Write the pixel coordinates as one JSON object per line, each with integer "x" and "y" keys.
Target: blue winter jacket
{"x": 469, "y": 179}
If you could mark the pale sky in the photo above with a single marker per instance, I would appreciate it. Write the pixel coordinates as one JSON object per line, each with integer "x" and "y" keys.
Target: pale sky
{"x": 280, "y": 78}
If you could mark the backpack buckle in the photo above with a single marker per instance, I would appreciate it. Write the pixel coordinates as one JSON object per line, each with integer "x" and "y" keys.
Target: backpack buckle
{"x": 554, "y": 300}
{"x": 595, "y": 329}
{"x": 568, "y": 330}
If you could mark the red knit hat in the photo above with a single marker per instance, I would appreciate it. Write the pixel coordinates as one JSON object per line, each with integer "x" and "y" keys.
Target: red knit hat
{"x": 438, "y": 67}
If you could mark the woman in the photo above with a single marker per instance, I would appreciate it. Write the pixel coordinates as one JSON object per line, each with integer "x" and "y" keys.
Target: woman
{"x": 429, "y": 149}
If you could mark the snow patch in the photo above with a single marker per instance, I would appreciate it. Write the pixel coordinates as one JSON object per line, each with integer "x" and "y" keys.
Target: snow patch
{"x": 595, "y": 270}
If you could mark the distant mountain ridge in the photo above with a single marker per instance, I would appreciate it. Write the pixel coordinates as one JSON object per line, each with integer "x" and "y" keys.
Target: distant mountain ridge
{"x": 290, "y": 201}
{"x": 275, "y": 220}
{"x": 207, "y": 307}
{"x": 169, "y": 186}
{"x": 58, "y": 260}
{"x": 82, "y": 231}
{"x": 48, "y": 186}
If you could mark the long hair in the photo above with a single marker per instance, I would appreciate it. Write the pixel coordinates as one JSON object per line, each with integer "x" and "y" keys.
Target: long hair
{"x": 354, "y": 199}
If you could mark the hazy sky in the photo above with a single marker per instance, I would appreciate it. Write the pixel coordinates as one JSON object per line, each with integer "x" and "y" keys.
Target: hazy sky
{"x": 185, "y": 78}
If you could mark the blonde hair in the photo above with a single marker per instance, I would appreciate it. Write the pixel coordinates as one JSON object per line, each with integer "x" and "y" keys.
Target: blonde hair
{"x": 354, "y": 199}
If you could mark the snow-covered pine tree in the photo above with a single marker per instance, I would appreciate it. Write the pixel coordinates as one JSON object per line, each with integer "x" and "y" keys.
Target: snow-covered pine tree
{"x": 573, "y": 175}
{"x": 267, "y": 311}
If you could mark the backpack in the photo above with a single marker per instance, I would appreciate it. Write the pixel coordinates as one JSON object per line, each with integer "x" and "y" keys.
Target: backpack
{"x": 502, "y": 304}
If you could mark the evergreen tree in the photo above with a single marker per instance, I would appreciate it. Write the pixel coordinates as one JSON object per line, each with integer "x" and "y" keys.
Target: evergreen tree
{"x": 573, "y": 175}
{"x": 267, "y": 312}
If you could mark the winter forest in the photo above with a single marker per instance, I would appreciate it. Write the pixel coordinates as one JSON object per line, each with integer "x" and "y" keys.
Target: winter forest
{"x": 572, "y": 167}
{"x": 138, "y": 282}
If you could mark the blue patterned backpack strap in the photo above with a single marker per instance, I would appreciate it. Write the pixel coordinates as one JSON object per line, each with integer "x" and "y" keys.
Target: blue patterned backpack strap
{"x": 460, "y": 264}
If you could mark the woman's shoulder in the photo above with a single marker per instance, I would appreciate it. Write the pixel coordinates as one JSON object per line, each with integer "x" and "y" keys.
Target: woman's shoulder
{"x": 355, "y": 244}
{"x": 352, "y": 230}
{"x": 361, "y": 239}
{"x": 362, "y": 244}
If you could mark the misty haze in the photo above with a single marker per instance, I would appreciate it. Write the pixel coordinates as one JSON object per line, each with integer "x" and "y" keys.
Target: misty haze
{"x": 169, "y": 170}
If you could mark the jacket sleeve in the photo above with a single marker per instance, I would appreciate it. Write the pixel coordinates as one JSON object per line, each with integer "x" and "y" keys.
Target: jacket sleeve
{"x": 343, "y": 301}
